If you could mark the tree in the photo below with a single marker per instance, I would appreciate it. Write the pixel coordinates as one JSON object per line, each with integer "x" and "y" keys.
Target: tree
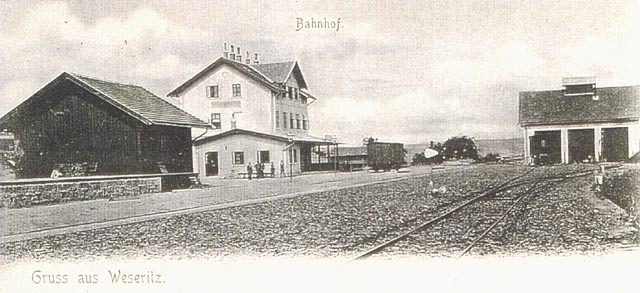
{"x": 460, "y": 147}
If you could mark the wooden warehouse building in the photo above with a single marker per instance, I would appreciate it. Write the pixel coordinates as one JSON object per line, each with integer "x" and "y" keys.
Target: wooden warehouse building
{"x": 111, "y": 127}
{"x": 581, "y": 123}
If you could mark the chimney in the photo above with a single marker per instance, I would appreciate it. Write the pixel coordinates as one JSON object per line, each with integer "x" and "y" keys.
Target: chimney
{"x": 225, "y": 51}
{"x": 247, "y": 59}
{"x": 255, "y": 59}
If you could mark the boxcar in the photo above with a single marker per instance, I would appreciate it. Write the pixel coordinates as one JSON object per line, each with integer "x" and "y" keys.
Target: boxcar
{"x": 385, "y": 156}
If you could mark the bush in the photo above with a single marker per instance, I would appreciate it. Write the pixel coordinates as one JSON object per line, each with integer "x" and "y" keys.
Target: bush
{"x": 624, "y": 190}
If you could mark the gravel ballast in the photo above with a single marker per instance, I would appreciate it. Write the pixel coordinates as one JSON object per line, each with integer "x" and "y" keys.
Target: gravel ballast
{"x": 342, "y": 223}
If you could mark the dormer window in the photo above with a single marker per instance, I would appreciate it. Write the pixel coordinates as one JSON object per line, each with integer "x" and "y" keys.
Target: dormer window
{"x": 213, "y": 91}
{"x": 579, "y": 86}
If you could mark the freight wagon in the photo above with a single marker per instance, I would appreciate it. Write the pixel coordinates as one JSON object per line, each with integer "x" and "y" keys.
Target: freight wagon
{"x": 385, "y": 156}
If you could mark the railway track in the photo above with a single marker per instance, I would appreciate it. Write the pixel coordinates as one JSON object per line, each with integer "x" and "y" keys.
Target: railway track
{"x": 492, "y": 206}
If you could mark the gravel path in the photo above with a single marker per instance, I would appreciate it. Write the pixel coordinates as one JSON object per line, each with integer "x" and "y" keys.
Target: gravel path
{"x": 339, "y": 223}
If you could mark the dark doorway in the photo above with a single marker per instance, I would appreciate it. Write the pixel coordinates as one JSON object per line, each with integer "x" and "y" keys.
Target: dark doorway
{"x": 581, "y": 145}
{"x": 615, "y": 144}
{"x": 211, "y": 165}
{"x": 545, "y": 147}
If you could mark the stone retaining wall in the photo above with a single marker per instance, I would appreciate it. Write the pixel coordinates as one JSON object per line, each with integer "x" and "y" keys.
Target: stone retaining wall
{"x": 20, "y": 194}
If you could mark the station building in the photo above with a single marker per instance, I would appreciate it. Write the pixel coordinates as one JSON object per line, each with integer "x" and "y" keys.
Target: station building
{"x": 258, "y": 113}
{"x": 580, "y": 122}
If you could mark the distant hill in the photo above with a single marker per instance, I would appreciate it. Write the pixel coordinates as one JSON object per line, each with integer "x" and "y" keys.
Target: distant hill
{"x": 504, "y": 147}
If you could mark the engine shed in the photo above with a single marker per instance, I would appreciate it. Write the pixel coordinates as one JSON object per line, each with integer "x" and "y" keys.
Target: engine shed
{"x": 580, "y": 123}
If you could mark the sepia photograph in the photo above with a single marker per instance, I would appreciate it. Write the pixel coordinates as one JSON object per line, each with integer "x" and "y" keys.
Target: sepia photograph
{"x": 319, "y": 146}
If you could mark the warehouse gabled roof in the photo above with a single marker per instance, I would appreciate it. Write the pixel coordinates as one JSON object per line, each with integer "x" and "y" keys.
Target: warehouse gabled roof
{"x": 271, "y": 75}
{"x": 550, "y": 107}
{"x": 132, "y": 99}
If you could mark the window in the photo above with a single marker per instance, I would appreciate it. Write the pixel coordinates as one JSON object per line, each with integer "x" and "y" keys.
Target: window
{"x": 216, "y": 123}
{"x": 238, "y": 158}
{"x": 291, "y": 121}
{"x": 213, "y": 92}
{"x": 290, "y": 92}
{"x": 277, "y": 120}
{"x": 263, "y": 157}
{"x": 303, "y": 100}
{"x": 290, "y": 156}
{"x": 297, "y": 121}
{"x": 236, "y": 90}
{"x": 284, "y": 120}
{"x": 295, "y": 93}
{"x": 304, "y": 123}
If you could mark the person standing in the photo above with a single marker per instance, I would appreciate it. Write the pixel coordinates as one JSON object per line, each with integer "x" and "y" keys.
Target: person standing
{"x": 249, "y": 170}
{"x": 273, "y": 170}
{"x": 257, "y": 168}
{"x": 281, "y": 169}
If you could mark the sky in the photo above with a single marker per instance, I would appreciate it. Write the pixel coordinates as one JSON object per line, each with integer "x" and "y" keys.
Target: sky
{"x": 408, "y": 71}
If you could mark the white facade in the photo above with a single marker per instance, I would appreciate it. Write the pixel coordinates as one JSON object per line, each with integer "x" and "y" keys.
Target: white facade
{"x": 258, "y": 107}
{"x": 251, "y": 109}
{"x": 250, "y": 146}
